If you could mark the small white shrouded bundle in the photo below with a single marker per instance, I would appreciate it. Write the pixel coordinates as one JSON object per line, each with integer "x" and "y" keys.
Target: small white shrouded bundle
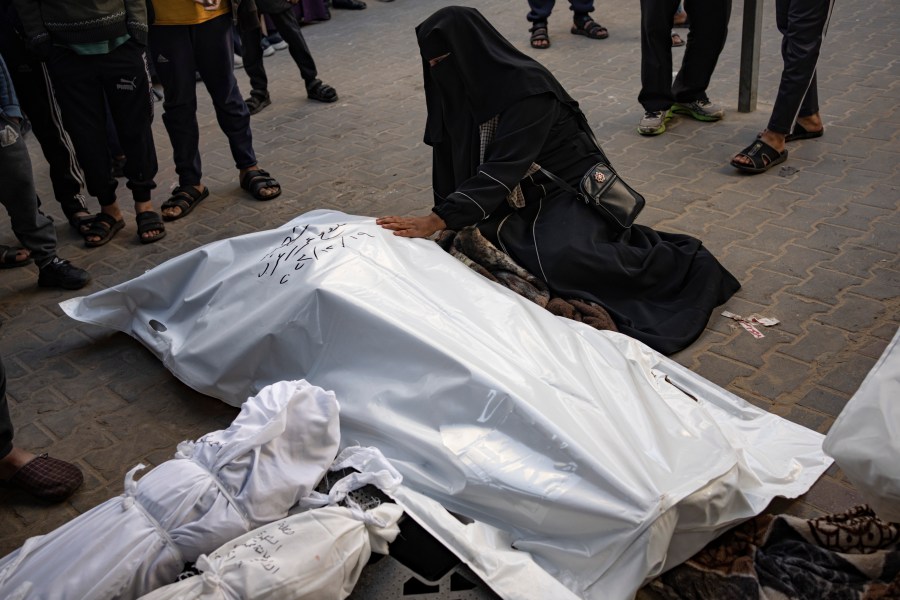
{"x": 220, "y": 487}
{"x": 314, "y": 554}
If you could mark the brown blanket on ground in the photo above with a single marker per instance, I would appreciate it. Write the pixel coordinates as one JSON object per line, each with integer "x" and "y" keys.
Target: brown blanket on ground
{"x": 475, "y": 251}
{"x": 848, "y": 556}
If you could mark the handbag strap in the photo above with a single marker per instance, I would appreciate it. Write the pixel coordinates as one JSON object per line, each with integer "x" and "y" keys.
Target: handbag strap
{"x": 561, "y": 182}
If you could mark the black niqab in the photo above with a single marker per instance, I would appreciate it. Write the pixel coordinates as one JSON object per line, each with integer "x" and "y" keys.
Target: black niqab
{"x": 482, "y": 76}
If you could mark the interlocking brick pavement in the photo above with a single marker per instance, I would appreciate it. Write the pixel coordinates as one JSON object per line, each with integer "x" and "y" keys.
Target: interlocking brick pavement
{"x": 814, "y": 243}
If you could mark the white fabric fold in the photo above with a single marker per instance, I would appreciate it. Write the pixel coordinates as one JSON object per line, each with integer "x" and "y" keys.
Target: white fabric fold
{"x": 217, "y": 488}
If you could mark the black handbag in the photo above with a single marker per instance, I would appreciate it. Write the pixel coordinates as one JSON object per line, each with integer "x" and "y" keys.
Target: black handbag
{"x": 602, "y": 188}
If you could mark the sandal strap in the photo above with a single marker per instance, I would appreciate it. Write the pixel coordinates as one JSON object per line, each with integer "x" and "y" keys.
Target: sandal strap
{"x": 101, "y": 224}
{"x": 257, "y": 180}
{"x": 250, "y": 177}
{"x": 182, "y": 197}
{"x": 6, "y": 251}
{"x": 591, "y": 28}
{"x": 149, "y": 221}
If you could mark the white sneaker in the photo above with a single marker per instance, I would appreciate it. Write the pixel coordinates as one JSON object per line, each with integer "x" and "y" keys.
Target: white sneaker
{"x": 280, "y": 45}
{"x": 702, "y": 110}
{"x": 268, "y": 51}
{"x": 238, "y": 62}
{"x": 654, "y": 122}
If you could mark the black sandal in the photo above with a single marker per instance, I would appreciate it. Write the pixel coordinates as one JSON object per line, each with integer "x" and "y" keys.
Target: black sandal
{"x": 802, "y": 133}
{"x": 185, "y": 198}
{"x": 316, "y": 90}
{"x": 8, "y": 258}
{"x": 762, "y": 157}
{"x": 257, "y": 103}
{"x": 73, "y": 205}
{"x": 591, "y": 29}
{"x": 540, "y": 39}
{"x": 103, "y": 226}
{"x": 256, "y": 181}
{"x": 148, "y": 221}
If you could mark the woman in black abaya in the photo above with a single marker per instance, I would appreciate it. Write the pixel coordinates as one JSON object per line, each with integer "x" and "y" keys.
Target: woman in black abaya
{"x": 658, "y": 287}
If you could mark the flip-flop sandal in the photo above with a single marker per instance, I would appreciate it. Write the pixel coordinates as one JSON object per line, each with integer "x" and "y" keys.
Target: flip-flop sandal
{"x": 185, "y": 198}
{"x": 316, "y": 90}
{"x": 762, "y": 157}
{"x": 104, "y": 227}
{"x": 47, "y": 478}
{"x": 677, "y": 42}
{"x": 256, "y": 181}
{"x": 8, "y": 258}
{"x": 591, "y": 29}
{"x": 148, "y": 221}
{"x": 801, "y": 133}
{"x": 538, "y": 35}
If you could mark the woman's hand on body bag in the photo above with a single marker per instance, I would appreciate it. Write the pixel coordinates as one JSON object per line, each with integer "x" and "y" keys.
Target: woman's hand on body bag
{"x": 413, "y": 227}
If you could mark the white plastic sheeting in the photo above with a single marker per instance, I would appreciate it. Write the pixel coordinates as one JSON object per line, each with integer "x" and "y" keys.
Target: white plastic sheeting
{"x": 220, "y": 487}
{"x": 572, "y": 442}
{"x": 865, "y": 438}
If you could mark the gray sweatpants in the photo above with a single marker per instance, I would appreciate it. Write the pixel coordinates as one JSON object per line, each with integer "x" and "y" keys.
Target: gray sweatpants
{"x": 33, "y": 228}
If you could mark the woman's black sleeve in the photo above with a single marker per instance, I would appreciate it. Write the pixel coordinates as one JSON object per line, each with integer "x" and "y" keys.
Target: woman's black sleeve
{"x": 521, "y": 132}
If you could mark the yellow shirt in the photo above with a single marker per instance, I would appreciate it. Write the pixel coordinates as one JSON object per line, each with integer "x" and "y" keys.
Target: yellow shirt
{"x": 186, "y": 12}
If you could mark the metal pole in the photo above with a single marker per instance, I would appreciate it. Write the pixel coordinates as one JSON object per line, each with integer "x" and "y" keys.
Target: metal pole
{"x": 751, "y": 35}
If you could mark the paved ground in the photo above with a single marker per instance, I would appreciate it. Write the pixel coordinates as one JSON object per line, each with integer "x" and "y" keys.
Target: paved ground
{"x": 814, "y": 243}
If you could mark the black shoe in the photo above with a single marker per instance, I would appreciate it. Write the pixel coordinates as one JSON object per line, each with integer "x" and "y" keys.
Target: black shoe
{"x": 61, "y": 273}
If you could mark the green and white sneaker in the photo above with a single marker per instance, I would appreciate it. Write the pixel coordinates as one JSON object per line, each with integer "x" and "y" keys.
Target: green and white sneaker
{"x": 654, "y": 122}
{"x": 702, "y": 110}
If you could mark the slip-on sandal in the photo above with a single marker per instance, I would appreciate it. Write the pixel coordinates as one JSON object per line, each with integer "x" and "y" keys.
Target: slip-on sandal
{"x": 103, "y": 227}
{"x": 47, "y": 478}
{"x": 801, "y": 133}
{"x": 8, "y": 258}
{"x": 185, "y": 198}
{"x": 762, "y": 157}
